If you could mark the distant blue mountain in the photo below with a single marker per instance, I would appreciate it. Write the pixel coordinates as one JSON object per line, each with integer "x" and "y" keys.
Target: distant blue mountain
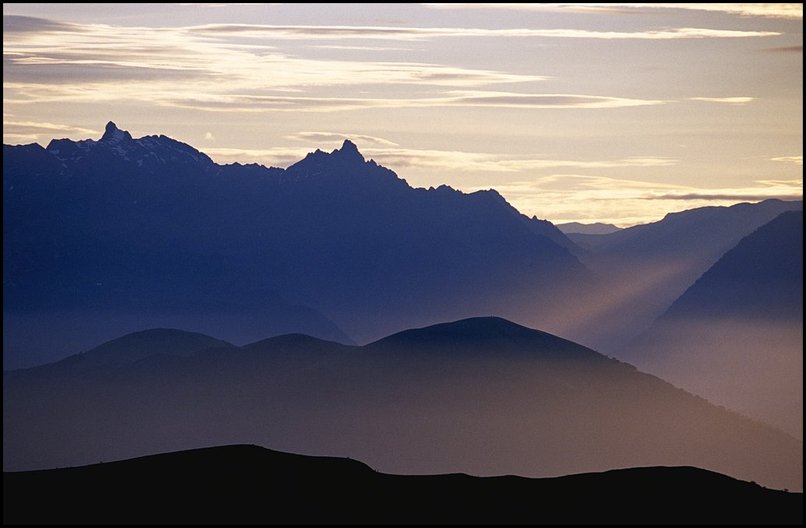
{"x": 597, "y": 228}
{"x": 736, "y": 335}
{"x": 761, "y": 277}
{"x": 124, "y": 234}
{"x": 645, "y": 268}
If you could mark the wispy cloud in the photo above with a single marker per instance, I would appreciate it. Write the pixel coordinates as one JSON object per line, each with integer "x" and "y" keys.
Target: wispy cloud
{"x": 417, "y": 33}
{"x": 797, "y": 160}
{"x": 17, "y": 139}
{"x": 25, "y": 24}
{"x": 75, "y": 53}
{"x": 785, "y": 49}
{"x": 739, "y": 101}
{"x": 47, "y": 127}
{"x": 782, "y": 10}
{"x": 280, "y": 103}
{"x": 323, "y": 137}
{"x": 523, "y": 100}
{"x": 272, "y": 157}
{"x": 725, "y": 100}
{"x": 216, "y": 67}
{"x": 388, "y": 154}
{"x": 585, "y": 198}
{"x": 361, "y": 48}
{"x": 16, "y": 131}
{"x": 747, "y": 196}
{"x": 496, "y": 163}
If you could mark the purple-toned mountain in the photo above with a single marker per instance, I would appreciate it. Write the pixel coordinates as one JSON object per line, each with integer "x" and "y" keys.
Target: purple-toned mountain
{"x": 117, "y": 235}
{"x": 482, "y": 395}
{"x": 597, "y": 228}
{"x": 736, "y": 335}
{"x": 646, "y": 267}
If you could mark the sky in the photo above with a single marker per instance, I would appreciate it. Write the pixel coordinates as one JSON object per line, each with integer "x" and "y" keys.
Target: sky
{"x": 615, "y": 113}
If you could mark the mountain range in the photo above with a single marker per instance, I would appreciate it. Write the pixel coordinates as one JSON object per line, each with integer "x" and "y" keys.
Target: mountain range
{"x": 291, "y": 268}
{"x": 245, "y": 484}
{"x": 124, "y": 234}
{"x": 107, "y": 237}
{"x": 482, "y": 396}
{"x": 597, "y": 228}
{"x": 643, "y": 269}
{"x": 736, "y": 335}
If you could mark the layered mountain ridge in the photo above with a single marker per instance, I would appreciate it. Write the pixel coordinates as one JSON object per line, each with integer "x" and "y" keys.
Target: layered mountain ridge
{"x": 483, "y": 396}
{"x": 151, "y": 232}
{"x": 736, "y": 335}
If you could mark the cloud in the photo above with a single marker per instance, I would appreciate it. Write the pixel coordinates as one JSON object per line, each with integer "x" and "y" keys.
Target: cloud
{"x": 485, "y": 162}
{"x": 15, "y": 131}
{"x": 323, "y": 137}
{"x": 747, "y": 196}
{"x": 26, "y": 24}
{"x": 161, "y": 63}
{"x": 388, "y": 154}
{"x": 587, "y": 198}
{"x": 215, "y": 67}
{"x": 228, "y": 4}
{"x": 521, "y": 100}
{"x": 785, "y": 49}
{"x": 797, "y": 160}
{"x": 362, "y": 48}
{"x": 725, "y": 100}
{"x": 43, "y": 70}
{"x": 418, "y": 33}
{"x": 284, "y": 103}
{"x": 273, "y": 157}
{"x": 19, "y": 139}
{"x": 46, "y": 127}
{"x": 208, "y": 136}
{"x": 783, "y": 10}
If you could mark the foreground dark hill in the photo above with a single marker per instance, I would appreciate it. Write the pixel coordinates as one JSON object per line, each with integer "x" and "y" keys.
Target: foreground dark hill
{"x": 106, "y": 237}
{"x": 645, "y": 268}
{"x": 736, "y": 335}
{"x": 483, "y": 396}
{"x": 248, "y": 484}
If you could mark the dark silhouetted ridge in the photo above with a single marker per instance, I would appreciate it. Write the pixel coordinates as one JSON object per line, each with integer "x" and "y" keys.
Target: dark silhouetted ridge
{"x": 471, "y": 329}
{"x": 248, "y": 484}
{"x": 136, "y": 346}
{"x": 488, "y": 336}
{"x": 286, "y": 341}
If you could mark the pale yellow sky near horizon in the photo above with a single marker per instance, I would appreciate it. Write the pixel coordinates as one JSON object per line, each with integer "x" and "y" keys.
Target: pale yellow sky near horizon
{"x": 617, "y": 113}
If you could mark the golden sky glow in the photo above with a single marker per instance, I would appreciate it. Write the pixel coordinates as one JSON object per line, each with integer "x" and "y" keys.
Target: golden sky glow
{"x": 574, "y": 112}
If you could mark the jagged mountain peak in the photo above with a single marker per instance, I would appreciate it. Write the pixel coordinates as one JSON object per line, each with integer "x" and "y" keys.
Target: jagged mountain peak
{"x": 338, "y": 164}
{"x": 347, "y": 155}
{"x": 113, "y": 134}
{"x": 349, "y": 150}
{"x": 147, "y": 153}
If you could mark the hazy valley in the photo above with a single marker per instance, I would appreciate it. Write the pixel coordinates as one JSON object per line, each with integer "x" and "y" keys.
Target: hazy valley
{"x": 159, "y": 301}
